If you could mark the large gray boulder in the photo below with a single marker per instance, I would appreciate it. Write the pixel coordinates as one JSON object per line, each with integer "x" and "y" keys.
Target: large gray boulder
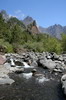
{"x": 47, "y": 64}
{"x": 63, "y": 81}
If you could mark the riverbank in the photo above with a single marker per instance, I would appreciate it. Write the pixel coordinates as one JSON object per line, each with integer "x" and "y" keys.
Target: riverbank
{"x": 32, "y": 76}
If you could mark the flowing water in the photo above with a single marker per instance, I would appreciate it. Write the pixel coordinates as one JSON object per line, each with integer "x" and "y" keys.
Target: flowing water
{"x": 31, "y": 89}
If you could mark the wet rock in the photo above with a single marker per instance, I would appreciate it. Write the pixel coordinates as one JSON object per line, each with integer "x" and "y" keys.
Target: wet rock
{"x": 41, "y": 79}
{"x": 4, "y": 79}
{"x": 36, "y": 73}
{"x": 57, "y": 70}
{"x": 63, "y": 81}
{"x": 18, "y": 69}
{"x": 18, "y": 63}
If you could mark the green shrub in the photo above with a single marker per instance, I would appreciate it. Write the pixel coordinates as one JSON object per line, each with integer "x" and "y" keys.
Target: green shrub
{"x": 8, "y": 47}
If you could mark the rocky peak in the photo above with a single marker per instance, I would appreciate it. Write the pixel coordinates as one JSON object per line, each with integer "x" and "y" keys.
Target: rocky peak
{"x": 54, "y": 30}
{"x": 4, "y": 15}
{"x": 28, "y": 20}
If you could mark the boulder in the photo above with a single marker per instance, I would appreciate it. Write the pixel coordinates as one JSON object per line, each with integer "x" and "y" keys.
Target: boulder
{"x": 60, "y": 58}
{"x": 4, "y": 79}
{"x": 34, "y": 63}
{"x": 2, "y": 59}
{"x": 18, "y": 69}
{"x": 63, "y": 81}
{"x": 55, "y": 56}
{"x": 47, "y": 64}
{"x": 18, "y": 63}
{"x": 42, "y": 79}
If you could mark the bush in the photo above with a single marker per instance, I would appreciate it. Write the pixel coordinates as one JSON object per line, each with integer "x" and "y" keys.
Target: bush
{"x": 6, "y": 45}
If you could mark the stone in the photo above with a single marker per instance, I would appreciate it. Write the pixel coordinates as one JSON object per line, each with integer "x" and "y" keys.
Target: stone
{"x": 63, "y": 81}
{"x": 57, "y": 70}
{"x": 60, "y": 58}
{"x": 55, "y": 56}
{"x": 2, "y": 60}
{"x": 18, "y": 63}
{"x": 34, "y": 63}
{"x": 48, "y": 56}
{"x": 18, "y": 69}
{"x": 4, "y": 79}
{"x": 41, "y": 79}
{"x": 48, "y": 64}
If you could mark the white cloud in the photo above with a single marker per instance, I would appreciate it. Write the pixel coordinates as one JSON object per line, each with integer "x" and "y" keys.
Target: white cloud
{"x": 19, "y": 14}
{"x": 12, "y": 16}
{"x": 18, "y": 11}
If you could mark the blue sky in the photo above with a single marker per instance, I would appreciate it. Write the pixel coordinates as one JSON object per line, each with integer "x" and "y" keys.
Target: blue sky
{"x": 46, "y": 12}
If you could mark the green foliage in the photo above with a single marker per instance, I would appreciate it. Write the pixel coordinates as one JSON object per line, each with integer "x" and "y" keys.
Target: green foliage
{"x": 52, "y": 45}
{"x": 14, "y": 32}
{"x": 13, "y": 21}
{"x": 64, "y": 42}
{"x": 34, "y": 46}
{"x": 6, "y": 45}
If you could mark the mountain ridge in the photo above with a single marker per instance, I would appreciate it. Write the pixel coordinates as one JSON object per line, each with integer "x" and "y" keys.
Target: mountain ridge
{"x": 53, "y": 30}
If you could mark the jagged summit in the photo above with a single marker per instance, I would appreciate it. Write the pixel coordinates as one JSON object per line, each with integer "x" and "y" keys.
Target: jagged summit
{"x": 28, "y": 20}
{"x": 4, "y": 15}
{"x": 54, "y": 30}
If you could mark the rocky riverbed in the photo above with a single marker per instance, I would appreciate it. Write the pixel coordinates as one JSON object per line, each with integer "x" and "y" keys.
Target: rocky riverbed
{"x": 33, "y": 76}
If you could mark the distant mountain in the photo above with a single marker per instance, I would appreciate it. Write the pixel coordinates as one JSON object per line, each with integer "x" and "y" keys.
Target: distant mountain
{"x": 4, "y": 15}
{"x": 28, "y": 20}
{"x": 31, "y": 25}
{"x": 54, "y": 30}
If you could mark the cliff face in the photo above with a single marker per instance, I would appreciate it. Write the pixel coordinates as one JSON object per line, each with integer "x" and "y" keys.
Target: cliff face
{"x": 33, "y": 28}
